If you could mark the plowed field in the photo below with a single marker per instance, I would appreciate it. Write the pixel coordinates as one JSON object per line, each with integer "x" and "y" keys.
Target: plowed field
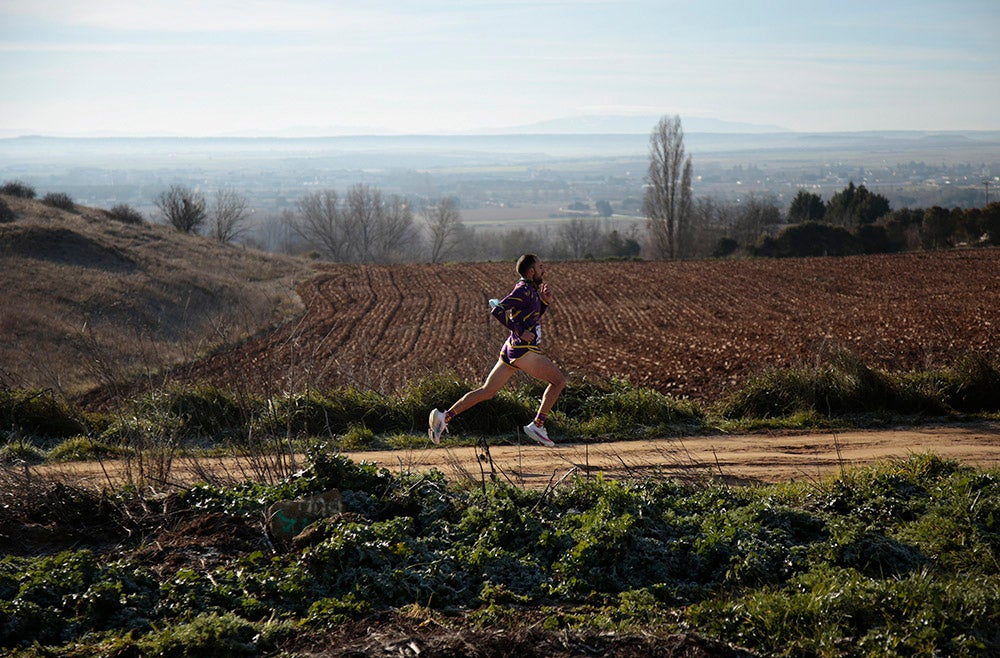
{"x": 690, "y": 329}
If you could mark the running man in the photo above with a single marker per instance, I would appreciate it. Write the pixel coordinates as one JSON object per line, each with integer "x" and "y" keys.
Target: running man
{"x": 521, "y": 312}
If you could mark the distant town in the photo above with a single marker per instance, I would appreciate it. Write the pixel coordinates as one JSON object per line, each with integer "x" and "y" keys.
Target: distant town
{"x": 500, "y": 179}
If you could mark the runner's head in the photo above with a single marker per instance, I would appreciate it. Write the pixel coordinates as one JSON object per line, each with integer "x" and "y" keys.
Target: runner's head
{"x": 530, "y": 268}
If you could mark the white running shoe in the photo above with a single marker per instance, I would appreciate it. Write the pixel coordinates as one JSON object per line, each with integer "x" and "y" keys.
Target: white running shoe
{"x": 539, "y": 434}
{"x": 436, "y": 426}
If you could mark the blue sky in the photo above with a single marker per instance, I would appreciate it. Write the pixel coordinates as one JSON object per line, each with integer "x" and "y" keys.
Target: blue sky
{"x": 198, "y": 67}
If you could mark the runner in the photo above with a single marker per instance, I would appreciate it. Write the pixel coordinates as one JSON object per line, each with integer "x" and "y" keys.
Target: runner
{"x": 521, "y": 312}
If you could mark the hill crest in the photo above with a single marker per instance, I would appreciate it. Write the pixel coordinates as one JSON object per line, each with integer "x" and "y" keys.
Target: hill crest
{"x": 88, "y": 299}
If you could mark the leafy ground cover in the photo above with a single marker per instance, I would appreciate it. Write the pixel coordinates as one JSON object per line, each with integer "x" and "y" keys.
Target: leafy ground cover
{"x": 898, "y": 559}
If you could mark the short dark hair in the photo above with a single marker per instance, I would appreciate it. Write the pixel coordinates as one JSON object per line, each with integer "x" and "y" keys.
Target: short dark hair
{"x": 525, "y": 263}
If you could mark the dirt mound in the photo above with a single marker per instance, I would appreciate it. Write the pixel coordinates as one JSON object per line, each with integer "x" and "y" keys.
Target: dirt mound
{"x": 89, "y": 300}
{"x": 407, "y": 637}
{"x": 39, "y": 516}
{"x": 60, "y": 245}
{"x": 202, "y": 541}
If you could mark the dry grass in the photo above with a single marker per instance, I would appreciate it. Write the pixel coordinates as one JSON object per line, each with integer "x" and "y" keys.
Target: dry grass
{"x": 88, "y": 299}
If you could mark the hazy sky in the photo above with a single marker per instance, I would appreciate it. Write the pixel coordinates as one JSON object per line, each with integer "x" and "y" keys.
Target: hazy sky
{"x": 203, "y": 67}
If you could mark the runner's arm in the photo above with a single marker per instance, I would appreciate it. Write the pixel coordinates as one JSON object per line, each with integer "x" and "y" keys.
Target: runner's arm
{"x": 511, "y": 311}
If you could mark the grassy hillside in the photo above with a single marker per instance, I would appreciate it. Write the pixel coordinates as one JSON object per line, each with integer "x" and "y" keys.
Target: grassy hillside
{"x": 87, "y": 299}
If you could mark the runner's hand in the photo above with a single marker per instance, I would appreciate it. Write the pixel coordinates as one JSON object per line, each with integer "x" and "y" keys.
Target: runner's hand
{"x": 546, "y": 293}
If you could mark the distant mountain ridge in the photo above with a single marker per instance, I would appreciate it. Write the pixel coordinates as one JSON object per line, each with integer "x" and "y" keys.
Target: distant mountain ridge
{"x": 576, "y": 125}
{"x": 612, "y": 124}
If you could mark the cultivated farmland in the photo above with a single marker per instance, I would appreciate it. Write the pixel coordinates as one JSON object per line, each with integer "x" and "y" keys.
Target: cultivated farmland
{"x": 689, "y": 329}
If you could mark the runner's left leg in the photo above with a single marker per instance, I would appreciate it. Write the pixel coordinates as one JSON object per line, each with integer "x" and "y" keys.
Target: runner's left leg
{"x": 499, "y": 376}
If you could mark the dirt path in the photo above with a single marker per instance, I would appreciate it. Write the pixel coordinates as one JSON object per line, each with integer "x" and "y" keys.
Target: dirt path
{"x": 736, "y": 459}
{"x": 744, "y": 459}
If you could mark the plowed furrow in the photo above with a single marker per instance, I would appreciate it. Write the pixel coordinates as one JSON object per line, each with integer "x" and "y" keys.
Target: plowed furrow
{"x": 689, "y": 328}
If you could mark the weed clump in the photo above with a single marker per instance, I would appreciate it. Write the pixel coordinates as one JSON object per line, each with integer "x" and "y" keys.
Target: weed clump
{"x": 841, "y": 386}
{"x": 38, "y": 413}
{"x": 59, "y": 200}
{"x": 17, "y": 189}
{"x": 972, "y": 385}
{"x": 7, "y": 213}
{"x": 125, "y": 214}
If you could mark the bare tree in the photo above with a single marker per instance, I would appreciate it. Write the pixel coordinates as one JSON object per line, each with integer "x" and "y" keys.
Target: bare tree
{"x": 667, "y": 203}
{"x": 444, "y": 226}
{"x": 398, "y": 238}
{"x": 320, "y": 222}
{"x": 363, "y": 227}
{"x": 229, "y": 216}
{"x": 581, "y": 237}
{"x": 183, "y": 208}
{"x": 754, "y": 216}
{"x": 379, "y": 228}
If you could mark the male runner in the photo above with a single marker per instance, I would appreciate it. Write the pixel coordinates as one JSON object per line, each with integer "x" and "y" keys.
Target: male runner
{"x": 521, "y": 312}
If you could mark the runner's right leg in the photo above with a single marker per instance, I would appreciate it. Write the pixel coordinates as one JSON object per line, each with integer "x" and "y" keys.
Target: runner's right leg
{"x": 541, "y": 367}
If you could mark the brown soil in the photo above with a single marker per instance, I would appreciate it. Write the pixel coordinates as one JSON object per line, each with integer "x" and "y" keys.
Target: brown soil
{"x": 744, "y": 459}
{"x": 408, "y": 637}
{"x": 693, "y": 329}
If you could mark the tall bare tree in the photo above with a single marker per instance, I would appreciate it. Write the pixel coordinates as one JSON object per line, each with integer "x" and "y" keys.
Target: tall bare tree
{"x": 444, "y": 226}
{"x": 365, "y": 226}
{"x": 229, "y": 215}
{"x": 581, "y": 237}
{"x": 183, "y": 208}
{"x": 320, "y": 221}
{"x": 667, "y": 203}
{"x": 380, "y": 227}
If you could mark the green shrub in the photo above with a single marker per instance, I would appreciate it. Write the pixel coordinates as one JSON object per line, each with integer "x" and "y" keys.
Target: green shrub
{"x": 807, "y": 239}
{"x": 874, "y": 239}
{"x": 357, "y": 437}
{"x": 59, "y": 200}
{"x": 972, "y": 385}
{"x": 900, "y": 558}
{"x": 960, "y": 524}
{"x": 838, "y": 612}
{"x": 843, "y": 385}
{"x": 328, "y": 613}
{"x": 207, "y": 635}
{"x": 18, "y": 189}
{"x": 330, "y": 470}
{"x": 183, "y": 412}
{"x": 725, "y": 247}
{"x": 21, "y": 452}
{"x": 38, "y": 413}
{"x": 82, "y": 448}
{"x": 317, "y": 414}
{"x": 207, "y": 411}
{"x": 617, "y": 407}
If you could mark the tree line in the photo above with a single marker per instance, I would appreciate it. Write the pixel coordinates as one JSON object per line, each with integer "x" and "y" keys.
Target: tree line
{"x": 854, "y": 220}
{"x": 367, "y": 225}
